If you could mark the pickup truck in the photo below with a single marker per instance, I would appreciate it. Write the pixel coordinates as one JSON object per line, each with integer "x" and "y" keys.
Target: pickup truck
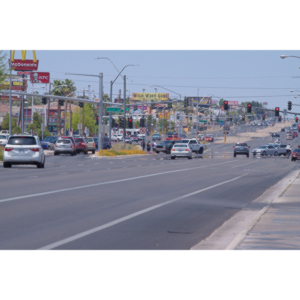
{"x": 194, "y": 145}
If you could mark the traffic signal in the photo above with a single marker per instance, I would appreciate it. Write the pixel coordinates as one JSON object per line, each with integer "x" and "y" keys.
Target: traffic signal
{"x": 296, "y": 119}
{"x": 226, "y": 105}
{"x": 61, "y": 102}
{"x": 177, "y": 117}
{"x": 80, "y": 104}
{"x": 263, "y": 117}
{"x": 290, "y": 105}
{"x": 97, "y": 120}
{"x": 152, "y": 106}
{"x": 185, "y": 102}
{"x": 142, "y": 122}
{"x": 44, "y": 100}
{"x": 121, "y": 122}
{"x": 276, "y": 111}
{"x": 135, "y": 107}
{"x": 169, "y": 105}
{"x": 130, "y": 125}
{"x": 243, "y": 118}
{"x": 279, "y": 119}
{"x": 249, "y": 108}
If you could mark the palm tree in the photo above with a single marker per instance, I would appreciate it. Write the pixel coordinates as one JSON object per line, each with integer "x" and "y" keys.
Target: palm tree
{"x": 70, "y": 90}
{"x": 58, "y": 90}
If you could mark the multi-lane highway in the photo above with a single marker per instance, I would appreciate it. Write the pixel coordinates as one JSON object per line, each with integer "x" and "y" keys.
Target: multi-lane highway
{"x": 140, "y": 202}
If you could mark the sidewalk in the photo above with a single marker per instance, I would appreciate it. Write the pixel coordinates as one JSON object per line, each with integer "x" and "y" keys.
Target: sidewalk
{"x": 279, "y": 227}
{"x": 271, "y": 222}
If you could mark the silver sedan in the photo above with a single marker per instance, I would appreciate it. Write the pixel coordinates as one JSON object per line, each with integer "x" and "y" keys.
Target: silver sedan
{"x": 265, "y": 150}
{"x": 181, "y": 150}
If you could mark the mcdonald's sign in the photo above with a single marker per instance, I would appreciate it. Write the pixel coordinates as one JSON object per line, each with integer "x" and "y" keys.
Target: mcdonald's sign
{"x": 24, "y": 64}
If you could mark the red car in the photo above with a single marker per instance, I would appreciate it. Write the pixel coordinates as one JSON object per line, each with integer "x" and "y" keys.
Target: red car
{"x": 81, "y": 146}
{"x": 295, "y": 134}
{"x": 295, "y": 154}
{"x": 172, "y": 137}
{"x": 209, "y": 138}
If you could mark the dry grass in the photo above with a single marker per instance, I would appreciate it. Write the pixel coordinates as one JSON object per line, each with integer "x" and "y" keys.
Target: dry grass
{"x": 118, "y": 149}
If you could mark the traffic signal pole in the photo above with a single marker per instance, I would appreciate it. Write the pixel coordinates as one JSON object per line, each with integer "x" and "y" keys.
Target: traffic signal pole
{"x": 124, "y": 110}
{"x": 100, "y": 144}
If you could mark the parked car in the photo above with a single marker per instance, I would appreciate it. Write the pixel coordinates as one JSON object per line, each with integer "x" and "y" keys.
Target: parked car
{"x": 65, "y": 145}
{"x": 23, "y": 150}
{"x": 90, "y": 143}
{"x": 156, "y": 137}
{"x": 241, "y": 148}
{"x": 49, "y": 142}
{"x": 265, "y": 150}
{"x": 181, "y": 150}
{"x": 81, "y": 145}
{"x": 295, "y": 154}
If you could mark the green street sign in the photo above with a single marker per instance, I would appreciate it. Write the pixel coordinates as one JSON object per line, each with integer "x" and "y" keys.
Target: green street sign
{"x": 113, "y": 109}
{"x": 203, "y": 121}
{"x": 128, "y": 108}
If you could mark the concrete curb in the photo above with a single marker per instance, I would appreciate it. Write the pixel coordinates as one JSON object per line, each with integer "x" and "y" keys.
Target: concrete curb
{"x": 234, "y": 230}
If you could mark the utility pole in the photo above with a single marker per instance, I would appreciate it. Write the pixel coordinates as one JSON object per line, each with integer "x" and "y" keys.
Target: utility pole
{"x": 10, "y": 102}
{"x": 48, "y": 113}
{"x": 83, "y": 113}
{"x": 124, "y": 110}
{"x": 100, "y": 144}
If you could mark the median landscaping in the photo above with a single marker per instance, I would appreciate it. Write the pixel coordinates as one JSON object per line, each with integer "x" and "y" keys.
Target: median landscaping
{"x": 118, "y": 150}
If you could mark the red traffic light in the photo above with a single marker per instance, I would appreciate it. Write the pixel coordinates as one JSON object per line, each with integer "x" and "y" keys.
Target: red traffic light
{"x": 277, "y": 108}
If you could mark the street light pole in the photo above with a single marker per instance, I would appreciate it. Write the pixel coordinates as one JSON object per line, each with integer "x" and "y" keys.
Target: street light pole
{"x": 100, "y": 144}
{"x": 10, "y": 102}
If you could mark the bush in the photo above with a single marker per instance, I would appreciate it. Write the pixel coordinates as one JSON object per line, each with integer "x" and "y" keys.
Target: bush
{"x": 118, "y": 149}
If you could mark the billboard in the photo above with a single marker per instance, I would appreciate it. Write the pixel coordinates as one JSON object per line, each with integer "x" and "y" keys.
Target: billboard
{"x": 202, "y": 100}
{"x": 150, "y": 96}
{"x": 40, "y": 77}
{"x": 15, "y": 85}
{"x": 233, "y": 103}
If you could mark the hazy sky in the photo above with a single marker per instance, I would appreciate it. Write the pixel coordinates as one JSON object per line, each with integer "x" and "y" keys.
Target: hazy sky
{"x": 234, "y": 75}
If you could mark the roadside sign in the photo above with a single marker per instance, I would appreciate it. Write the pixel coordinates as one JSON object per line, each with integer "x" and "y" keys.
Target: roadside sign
{"x": 142, "y": 130}
{"x": 203, "y": 121}
{"x": 113, "y": 109}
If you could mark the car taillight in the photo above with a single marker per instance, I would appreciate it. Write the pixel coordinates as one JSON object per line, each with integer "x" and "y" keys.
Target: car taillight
{"x": 35, "y": 149}
{"x": 55, "y": 146}
{"x": 173, "y": 149}
{"x": 186, "y": 149}
{"x": 234, "y": 147}
{"x": 247, "y": 147}
{"x": 71, "y": 146}
{"x": 94, "y": 145}
{"x": 8, "y": 149}
{"x": 293, "y": 154}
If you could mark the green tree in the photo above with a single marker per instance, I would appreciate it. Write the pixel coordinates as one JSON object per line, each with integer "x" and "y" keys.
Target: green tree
{"x": 36, "y": 126}
{"x": 5, "y": 124}
{"x": 3, "y": 66}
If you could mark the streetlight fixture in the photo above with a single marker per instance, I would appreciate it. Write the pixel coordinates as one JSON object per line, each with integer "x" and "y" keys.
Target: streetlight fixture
{"x": 124, "y": 100}
{"x": 284, "y": 56}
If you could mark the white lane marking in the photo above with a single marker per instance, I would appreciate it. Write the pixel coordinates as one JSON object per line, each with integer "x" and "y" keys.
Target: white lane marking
{"x": 245, "y": 164}
{"x": 107, "y": 182}
{"x": 109, "y": 224}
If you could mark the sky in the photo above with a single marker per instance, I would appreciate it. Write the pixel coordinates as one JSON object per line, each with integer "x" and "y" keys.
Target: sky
{"x": 237, "y": 75}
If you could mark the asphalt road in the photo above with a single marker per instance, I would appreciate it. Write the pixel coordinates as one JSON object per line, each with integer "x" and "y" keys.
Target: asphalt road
{"x": 141, "y": 202}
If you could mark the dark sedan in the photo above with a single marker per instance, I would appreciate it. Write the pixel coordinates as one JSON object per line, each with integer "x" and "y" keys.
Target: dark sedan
{"x": 165, "y": 146}
{"x": 241, "y": 148}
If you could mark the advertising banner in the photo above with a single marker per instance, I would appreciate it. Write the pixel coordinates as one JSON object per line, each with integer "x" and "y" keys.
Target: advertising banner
{"x": 265, "y": 103}
{"x": 40, "y": 77}
{"x": 15, "y": 85}
{"x": 150, "y": 96}
{"x": 202, "y": 100}
{"x": 165, "y": 115}
{"x": 24, "y": 65}
{"x": 233, "y": 103}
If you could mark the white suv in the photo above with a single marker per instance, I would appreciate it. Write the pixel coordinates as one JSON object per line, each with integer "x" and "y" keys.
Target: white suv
{"x": 23, "y": 150}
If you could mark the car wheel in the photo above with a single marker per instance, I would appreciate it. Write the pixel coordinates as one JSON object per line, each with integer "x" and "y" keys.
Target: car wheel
{"x": 190, "y": 157}
{"x": 172, "y": 157}
{"x": 234, "y": 155}
{"x": 72, "y": 153}
{"x": 157, "y": 152}
{"x": 85, "y": 152}
{"x": 264, "y": 153}
{"x": 41, "y": 165}
{"x": 93, "y": 152}
{"x": 276, "y": 153}
{"x": 77, "y": 151}
{"x": 292, "y": 159}
{"x": 6, "y": 165}
{"x": 248, "y": 155}
{"x": 56, "y": 153}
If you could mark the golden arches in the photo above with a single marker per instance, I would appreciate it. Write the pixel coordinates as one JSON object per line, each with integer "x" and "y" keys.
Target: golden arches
{"x": 23, "y": 55}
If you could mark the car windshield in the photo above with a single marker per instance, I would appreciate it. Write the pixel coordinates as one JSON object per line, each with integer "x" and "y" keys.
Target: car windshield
{"x": 48, "y": 139}
{"x": 22, "y": 140}
{"x": 79, "y": 140}
{"x": 2, "y": 137}
{"x": 184, "y": 141}
{"x": 95, "y": 139}
{"x": 180, "y": 145}
{"x": 64, "y": 141}
{"x": 262, "y": 147}
{"x": 241, "y": 144}
{"x": 164, "y": 143}
{"x": 88, "y": 140}
{"x": 297, "y": 150}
